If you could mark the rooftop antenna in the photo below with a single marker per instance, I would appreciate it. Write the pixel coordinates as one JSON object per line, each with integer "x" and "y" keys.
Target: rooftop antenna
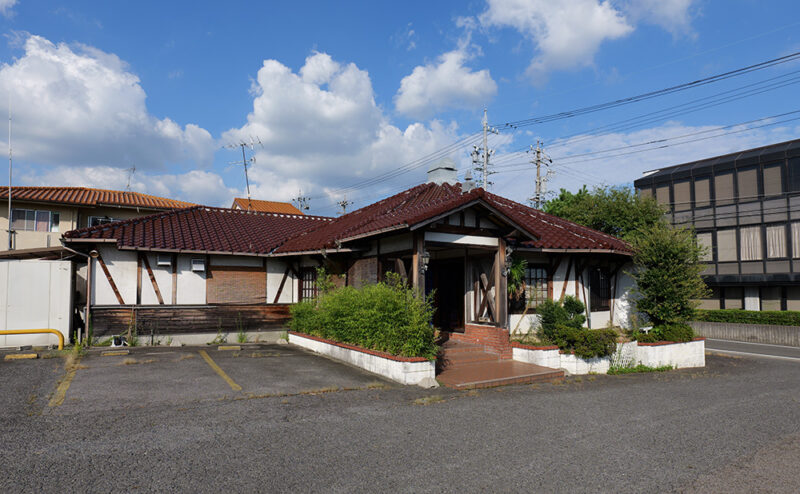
{"x": 130, "y": 171}
{"x": 10, "y": 219}
{"x": 343, "y": 204}
{"x": 301, "y": 201}
{"x": 245, "y": 160}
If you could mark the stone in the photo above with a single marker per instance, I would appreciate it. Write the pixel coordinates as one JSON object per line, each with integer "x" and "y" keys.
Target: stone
{"x": 428, "y": 383}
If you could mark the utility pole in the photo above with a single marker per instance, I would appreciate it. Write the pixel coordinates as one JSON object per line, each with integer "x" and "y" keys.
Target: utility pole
{"x": 539, "y": 159}
{"x": 481, "y": 155}
{"x": 301, "y": 201}
{"x": 245, "y": 161}
{"x": 343, "y": 204}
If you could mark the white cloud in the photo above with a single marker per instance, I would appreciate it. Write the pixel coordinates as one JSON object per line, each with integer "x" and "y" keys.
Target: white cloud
{"x": 202, "y": 187}
{"x": 321, "y": 129}
{"x": 673, "y": 16}
{"x": 566, "y": 33}
{"x": 79, "y": 106}
{"x": 447, "y": 83}
{"x": 6, "y": 6}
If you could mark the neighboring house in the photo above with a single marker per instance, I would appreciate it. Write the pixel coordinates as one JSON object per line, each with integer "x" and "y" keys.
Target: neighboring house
{"x": 41, "y": 214}
{"x": 207, "y": 269}
{"x": 745, "y": 207}
{"x": 246, "y": 204}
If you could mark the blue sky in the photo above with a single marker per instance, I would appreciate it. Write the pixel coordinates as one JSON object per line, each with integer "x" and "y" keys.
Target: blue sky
{"x": 343, "y": 92}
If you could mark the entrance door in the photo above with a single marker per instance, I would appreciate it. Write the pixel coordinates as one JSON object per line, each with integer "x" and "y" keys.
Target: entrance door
{"x": 447, "y": 278}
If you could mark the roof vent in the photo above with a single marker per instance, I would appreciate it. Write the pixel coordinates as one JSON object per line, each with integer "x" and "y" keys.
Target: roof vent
{"x": 443, "y": 172}
{"x": 468, "y": 184}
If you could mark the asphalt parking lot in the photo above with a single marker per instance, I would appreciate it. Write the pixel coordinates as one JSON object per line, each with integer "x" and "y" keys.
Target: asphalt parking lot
{"x": 305, "y": 423}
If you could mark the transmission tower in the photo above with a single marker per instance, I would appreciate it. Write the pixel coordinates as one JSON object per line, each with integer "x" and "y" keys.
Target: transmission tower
{"x": 242, "y": 144}
{"x": 539, "y": 158}
{"x": 130, "y": 171}
{"x": 482, "y": 155}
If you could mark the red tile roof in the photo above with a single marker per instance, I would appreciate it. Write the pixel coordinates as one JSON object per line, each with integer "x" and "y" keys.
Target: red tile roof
{"x": 202, "y": 229}
{"x": 84, "y": 196}
{"x": 427, "y": 201}
{"x": 264, "y": 206}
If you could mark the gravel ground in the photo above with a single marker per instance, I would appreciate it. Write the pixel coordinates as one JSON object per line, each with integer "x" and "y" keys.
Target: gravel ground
{"x": 733, "y": 426}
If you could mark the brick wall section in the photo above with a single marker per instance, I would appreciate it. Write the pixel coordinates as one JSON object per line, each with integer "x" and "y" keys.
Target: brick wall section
{"x": 363, "y": 271}
{"x": 237, "y": 285}
{"x": 493, "y": 339}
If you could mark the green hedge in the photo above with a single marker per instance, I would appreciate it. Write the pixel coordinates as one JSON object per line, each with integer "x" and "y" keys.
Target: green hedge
{"x": 677, "y": 333}
{"x": 562, "y": 325}
{"x": 386, "y": 317}
{"x": 780, "y": 318}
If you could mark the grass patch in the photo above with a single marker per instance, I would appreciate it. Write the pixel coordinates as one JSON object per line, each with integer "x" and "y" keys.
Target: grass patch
{"x": 133, "y": 361}
{"x": 638, "y": 369}
{"x": 185, "y": 356}
{"x": 377, "y": 385}
{"x": 429, "y": 400}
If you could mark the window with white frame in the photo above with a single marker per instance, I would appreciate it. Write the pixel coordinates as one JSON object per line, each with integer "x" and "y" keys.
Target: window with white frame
{"x": 34, "y": 220}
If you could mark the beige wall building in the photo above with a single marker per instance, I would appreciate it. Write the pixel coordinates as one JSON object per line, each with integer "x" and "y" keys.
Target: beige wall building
{"x": 40, "y": 215}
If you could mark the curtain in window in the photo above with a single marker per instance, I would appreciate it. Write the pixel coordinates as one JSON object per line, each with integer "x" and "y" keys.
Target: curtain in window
{"x": 750, "y": 243}
{"x": 726, "y": 245}
{"x": 796, "y": 239}
{"x": 776, "y": 241}
{"x": 42, "y": 221}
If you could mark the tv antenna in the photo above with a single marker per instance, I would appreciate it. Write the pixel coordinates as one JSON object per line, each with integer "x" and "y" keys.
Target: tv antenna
{"x": 130, "y": 171}
{"x": 301, "y": 201}
{"x": 343, "y": 204}
{"x": 242, "y": 144}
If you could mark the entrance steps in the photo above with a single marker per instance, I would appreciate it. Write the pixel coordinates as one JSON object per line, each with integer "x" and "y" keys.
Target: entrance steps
{"x": 468, "y": 365}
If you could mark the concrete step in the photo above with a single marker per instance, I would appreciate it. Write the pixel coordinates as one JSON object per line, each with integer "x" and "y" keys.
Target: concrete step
{"x": 497, "y": 373}
{"x": 467, "y": 357}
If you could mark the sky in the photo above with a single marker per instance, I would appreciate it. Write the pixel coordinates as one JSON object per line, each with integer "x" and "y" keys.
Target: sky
{"x": 355, "y": 100}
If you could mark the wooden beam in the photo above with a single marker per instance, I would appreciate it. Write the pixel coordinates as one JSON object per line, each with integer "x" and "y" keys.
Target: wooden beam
{"x": 566, "y": 279}
{"x": 174, "y": 279}
{"x": 283, "y": 282}
{"x": 501, "y": 290}
{"x": 138, "y": 278}
{"x": 400, "y": 268}
{"x": 110, "y": 279}
{"x": 416, "y": 276}
{"x": 153, "y": 279}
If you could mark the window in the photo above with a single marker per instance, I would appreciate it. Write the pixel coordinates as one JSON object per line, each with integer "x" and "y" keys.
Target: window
{"x": 773, "y": 185}
{"x": 704, "y": 239}
{"x": 34, "y": 220}
{"x": 683, "y": 198}
{"x": 536, "y": 285}
{"x": 646, "y": 193}
{"x": 726, "y": 245}
{"x": 198, "y": 265}
{"x": 702, "y": 192}
{"x": 750, "y": 243}
{"x": 600, "y": 290}
{"x": 794, "y": 174}
{"x": 662, "y": 195}
{"x": 771, "y": 298}
{"x": 723, "y": 188}
{"x": 776, "y": 241}
{"x": 308, "y": 283}
{"x": 734, "y": 297}
{"x": 747, "y": 180}
{"x": 796, "y": 239}
{"x": 100, "y": 220}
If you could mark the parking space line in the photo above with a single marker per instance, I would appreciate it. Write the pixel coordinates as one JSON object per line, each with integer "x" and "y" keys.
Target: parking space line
{"x": 219, "y": 371}
{"x": 61, "y": 391}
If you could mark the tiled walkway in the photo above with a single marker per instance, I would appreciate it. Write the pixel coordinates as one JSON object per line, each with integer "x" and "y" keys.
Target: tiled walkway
{"x": 467, "y": 366}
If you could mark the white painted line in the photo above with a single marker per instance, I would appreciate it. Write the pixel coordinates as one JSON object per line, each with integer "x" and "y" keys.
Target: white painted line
{"x": 781, "y": 357}
{"x": 753, "y": 343}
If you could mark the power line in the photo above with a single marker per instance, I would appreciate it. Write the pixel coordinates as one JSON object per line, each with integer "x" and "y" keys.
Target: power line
{"x": 653, "y": 94}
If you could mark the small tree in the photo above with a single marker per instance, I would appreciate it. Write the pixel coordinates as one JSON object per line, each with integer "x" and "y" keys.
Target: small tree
{"x": 668, "y": 276}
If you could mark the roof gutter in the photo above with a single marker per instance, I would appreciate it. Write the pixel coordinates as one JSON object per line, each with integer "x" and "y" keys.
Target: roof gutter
{"x": 575, "y": 251}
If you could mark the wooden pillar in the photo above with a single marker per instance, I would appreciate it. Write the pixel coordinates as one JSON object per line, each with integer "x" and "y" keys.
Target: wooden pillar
{"x": 500, "y": 284}
{"x": 417, "y": 280}
{"x": 138, "y": 278}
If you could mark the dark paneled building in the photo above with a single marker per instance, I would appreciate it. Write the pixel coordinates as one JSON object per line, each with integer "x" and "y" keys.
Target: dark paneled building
{"x": 745, "y": 207}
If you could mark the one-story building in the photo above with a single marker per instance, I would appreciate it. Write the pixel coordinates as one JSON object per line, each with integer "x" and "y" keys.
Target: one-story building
{"x": 201, "y": 270}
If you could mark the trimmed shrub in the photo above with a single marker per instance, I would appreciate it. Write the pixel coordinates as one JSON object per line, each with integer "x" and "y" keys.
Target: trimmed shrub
{"x": 678, "y": 333}
{"x": 562, "y": 325}
{"x": 779, "y": 318}
{"x": 386, "y": 317}
{"x": 643, "y": 337}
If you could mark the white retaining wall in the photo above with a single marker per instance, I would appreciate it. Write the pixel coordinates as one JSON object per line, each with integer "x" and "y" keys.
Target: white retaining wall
{"x": 402, "y": 372}
{"x": 678, "y": 355}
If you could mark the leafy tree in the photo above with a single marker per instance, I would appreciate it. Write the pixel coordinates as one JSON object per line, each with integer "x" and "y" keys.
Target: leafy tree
{"x": 668, "y": 276}
{"x": 618, "y": 211}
